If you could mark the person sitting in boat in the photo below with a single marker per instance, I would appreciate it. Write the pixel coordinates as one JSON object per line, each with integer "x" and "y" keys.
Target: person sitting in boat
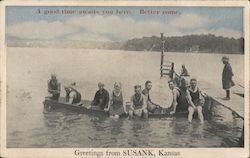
{"x": 138, "y": 104}
{"x": 197, "y": 100}
{"x": 181, "y": 97}
{"x": 184, "y": 71}
{"x": 72, "y": 95}
{"x": 54, "y": 87}
{"x": 151, "y": 107}
{"x": 101, "y": 98}
{"x": 116, "y": 108}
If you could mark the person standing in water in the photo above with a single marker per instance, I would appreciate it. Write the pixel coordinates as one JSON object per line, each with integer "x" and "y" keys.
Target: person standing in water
{"x": 227, "y": 76}
{"x": 116, "y": 108}
{"x": 197, "y": 100}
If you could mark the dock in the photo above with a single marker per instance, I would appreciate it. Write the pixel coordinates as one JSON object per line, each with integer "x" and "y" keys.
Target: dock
{"x": 235, "y": 104}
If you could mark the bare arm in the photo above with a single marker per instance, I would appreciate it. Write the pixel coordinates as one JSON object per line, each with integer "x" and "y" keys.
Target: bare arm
{"x": 190, "y": 99}
{"x": 111, "y": 101}
{"x": 174, "y": 102}
{"x": 132, "y": 103}
{"x": 71, "y": 97}
{"x": 144, "y": 106}
{"x": 202, "y": 99}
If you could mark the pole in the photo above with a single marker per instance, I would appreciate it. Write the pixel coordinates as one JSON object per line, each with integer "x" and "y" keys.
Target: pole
{"x": 162, "y": 53}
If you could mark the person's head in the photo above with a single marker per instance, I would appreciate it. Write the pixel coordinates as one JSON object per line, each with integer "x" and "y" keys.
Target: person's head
{"x": 148, "y": 85}
{"x": 101, "y": 85}
{"x": 183, "y": 66}
{"x": 68, "y": 89}
{"x": 117, "y": 87}
{"x": 137, "y": 89}
{"x": 171, "y": 84}
{"x": 53, "y": 76}
{"x": 193, "y": 83}
{"x": 225, "y": 60}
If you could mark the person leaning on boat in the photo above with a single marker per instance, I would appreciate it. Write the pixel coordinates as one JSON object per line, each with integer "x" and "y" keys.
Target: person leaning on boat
{"x": 181, "y": 97}
{"x": 54, "y": 87}
{"x": 72, "y": 95}
{"x": 101, "y": 98}
{"x": 116, "y": 108}
{"x": 151, "y": 107}
{"x": 138, "y": 104}
{"x": 197, "y": 100}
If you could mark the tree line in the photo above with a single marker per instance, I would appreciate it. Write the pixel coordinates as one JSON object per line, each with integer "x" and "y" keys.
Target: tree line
{"x": 189, "y": 43}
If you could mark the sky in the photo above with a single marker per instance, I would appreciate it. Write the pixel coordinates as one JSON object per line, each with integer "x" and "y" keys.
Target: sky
{"x": 35, "y": 22}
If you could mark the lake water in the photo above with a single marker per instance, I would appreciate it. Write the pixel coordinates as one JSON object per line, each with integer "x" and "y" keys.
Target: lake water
{"x": 28, "y": 125}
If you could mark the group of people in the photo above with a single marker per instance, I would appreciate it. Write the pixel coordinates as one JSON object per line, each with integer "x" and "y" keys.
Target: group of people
{"x": 141, "y": 102}
{"x": 184, "y": 97}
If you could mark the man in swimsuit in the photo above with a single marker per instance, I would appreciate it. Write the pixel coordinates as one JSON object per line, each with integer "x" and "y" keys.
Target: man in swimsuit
{"x": 197, "y": 100}
{"x": 151, "y": 107}
{"x": 181, "y": 98}
{"x": 72, "y": 95}
{"x": 138, "y": 104}
{"x": 101, "y": 98}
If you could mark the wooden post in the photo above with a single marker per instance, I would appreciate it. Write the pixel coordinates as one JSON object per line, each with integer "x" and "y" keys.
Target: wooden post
{"x": 162, "y": 53}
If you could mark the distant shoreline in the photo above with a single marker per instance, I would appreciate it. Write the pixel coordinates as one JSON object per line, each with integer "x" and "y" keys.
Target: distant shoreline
{"x": 25, "y": 47}
{"x": 189, "y": 44}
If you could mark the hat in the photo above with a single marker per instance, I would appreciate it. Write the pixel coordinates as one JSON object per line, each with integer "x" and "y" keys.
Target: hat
{"x": 53, "y": 74}
{"x": 225, "y": 58}
{"x": 137, "y": 86}
{"x": 72, "y": 85}
{"x": 100, "y": 84}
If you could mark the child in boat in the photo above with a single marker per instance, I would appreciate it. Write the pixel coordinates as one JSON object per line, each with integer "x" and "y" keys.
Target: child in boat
{"x": 101, "y": 98}
{"x": 151, "y": 107}
{"x": 54, "y": 87}
{"x": 116, "y": 108}
{"x": 138, "y": 104}
{"x": 197, "y": 100}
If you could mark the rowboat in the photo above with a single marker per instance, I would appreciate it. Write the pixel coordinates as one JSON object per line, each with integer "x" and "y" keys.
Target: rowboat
{"x": 85, "y": 107}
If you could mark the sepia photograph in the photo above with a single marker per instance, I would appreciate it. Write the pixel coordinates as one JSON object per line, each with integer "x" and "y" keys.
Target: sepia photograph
{"x": 125, "y": 77}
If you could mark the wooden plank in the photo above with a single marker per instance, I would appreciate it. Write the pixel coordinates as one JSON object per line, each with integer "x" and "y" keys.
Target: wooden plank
{"x": 235, "y": 104}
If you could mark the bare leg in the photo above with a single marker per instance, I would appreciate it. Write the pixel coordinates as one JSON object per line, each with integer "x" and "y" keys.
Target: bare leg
{"x": 190, "y": 114}
{"x": 131, "y": 113}
{"x": 200, "y": 114}
{"x": 145, "y": 113}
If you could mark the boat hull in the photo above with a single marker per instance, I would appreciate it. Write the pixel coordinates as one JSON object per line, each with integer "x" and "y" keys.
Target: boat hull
{"x": 85, "y": 107}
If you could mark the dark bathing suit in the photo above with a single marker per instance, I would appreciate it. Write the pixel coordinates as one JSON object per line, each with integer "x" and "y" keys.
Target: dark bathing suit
{"x": 137, "y": 101}
{"x": 117, "y": 107}
{"x": 182, "y": 103}
{"x": 104, "y": 96}
{"x": 54, "y": 86}
{"x": 195, "y": 97}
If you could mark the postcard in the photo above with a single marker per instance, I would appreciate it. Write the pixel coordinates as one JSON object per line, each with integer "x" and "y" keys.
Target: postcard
{"x": 141, "y": 79}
